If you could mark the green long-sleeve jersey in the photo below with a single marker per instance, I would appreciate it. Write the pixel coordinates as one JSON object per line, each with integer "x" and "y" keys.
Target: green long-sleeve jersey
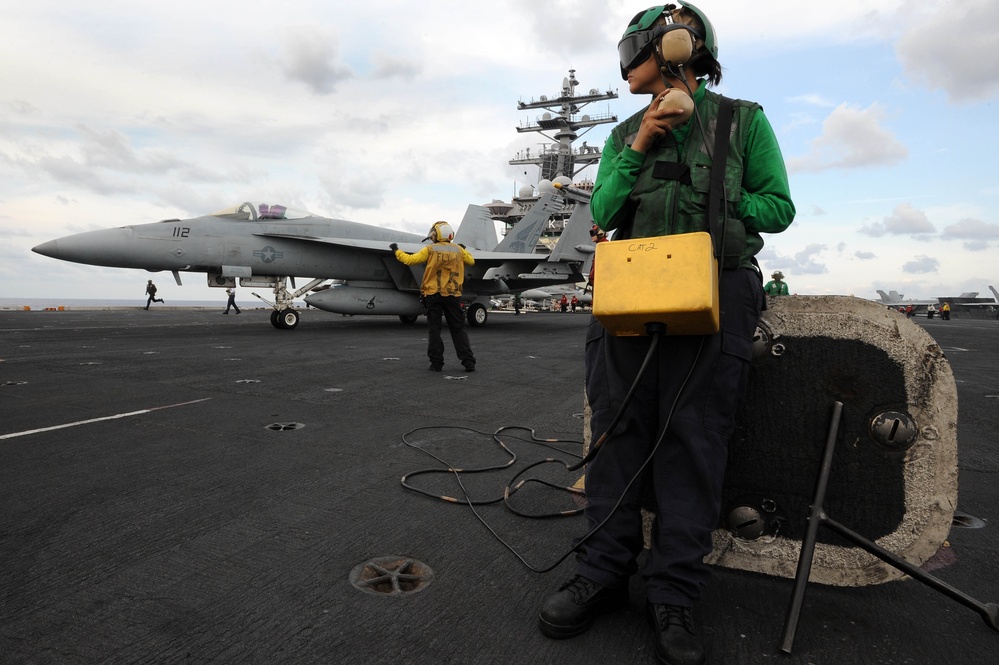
{"x": 759, "y": 194}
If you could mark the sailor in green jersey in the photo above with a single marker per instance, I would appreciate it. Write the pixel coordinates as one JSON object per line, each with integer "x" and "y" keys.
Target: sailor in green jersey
{"x": 776, "y": 286}
{"x": 654, "y": 180}
{"x": 627, "y": 192}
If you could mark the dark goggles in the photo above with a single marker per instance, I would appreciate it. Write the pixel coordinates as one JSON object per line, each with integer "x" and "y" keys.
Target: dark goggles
{"x": 634, "y": 49}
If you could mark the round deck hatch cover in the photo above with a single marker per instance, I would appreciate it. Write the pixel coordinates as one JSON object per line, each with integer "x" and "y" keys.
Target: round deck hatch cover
{"x": 391, "y": 576}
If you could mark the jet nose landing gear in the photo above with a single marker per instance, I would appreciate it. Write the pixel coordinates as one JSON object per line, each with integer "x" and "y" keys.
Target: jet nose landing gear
{"x": 285, "y": 316}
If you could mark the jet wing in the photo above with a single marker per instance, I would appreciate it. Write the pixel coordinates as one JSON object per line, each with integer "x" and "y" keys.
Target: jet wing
{"x": 411, "y": 248}
{"x": 369, "y": 245}
{"x": 493, "y": 272}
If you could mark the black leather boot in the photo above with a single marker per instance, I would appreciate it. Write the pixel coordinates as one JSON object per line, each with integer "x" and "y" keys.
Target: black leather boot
{"x": 676, "y": 639}
{"x": 570, "y": 611}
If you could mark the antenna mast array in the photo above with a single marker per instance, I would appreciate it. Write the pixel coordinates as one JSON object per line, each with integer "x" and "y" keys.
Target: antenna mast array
{"x": 562, "y": 123}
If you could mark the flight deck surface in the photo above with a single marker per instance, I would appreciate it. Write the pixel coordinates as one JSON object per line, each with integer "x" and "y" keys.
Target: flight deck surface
{"x": 182, "y": 486}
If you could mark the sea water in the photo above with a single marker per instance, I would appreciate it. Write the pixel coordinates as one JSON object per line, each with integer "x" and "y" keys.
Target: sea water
{"x": 7, "y": 304}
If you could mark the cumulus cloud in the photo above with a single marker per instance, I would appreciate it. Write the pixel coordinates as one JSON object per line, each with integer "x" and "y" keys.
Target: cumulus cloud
{"x": 950, "y": 47}
{"x": 904, "y": 220}
{"x": 974, "y": 229}
{"x": 976, "y": 234}
{"x": 22, "y": 107}
{"x": 921, "y": 265}
{"x": 576, "y": 31}
{"x": 804, "y": 262}
{"x": 851, "y": 138}
{"x": 312, "y": 58}
{"x": 69, "y": 171}
{"x": 112, "y": 150}
{"x": 388, "y": 67}
{"x": 807, "y": 260}
{"x": 107, "y": 161}
{"x": 13, "y": 231}
{"x": 865, "y": 256}
{"x": 355, "y": 192}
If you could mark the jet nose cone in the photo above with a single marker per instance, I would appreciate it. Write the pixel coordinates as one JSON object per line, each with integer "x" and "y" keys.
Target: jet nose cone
{"x": 106, "y": 247}
{"x": 50, "y": 249}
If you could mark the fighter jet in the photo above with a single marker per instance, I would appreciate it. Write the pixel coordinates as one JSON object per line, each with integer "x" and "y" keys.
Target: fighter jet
{"x": 968, "y": 300}
{"x": 895, "y": 299}
{"x": 265, "y": 245}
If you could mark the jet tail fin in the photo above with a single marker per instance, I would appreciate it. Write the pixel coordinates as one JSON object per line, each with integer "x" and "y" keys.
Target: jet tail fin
{"x": 477, "y": 229}
{"x": 574, "y": 244}
{"x": 523, "y": 237}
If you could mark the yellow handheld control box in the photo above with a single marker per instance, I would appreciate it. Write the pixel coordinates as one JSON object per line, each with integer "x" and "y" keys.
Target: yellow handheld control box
{"x": 666, "y": 279}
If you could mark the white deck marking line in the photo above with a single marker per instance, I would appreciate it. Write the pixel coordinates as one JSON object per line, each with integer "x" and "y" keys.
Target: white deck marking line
{"x": 97, "y": 420}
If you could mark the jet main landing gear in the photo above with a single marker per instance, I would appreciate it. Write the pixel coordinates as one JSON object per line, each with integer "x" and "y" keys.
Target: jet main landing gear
{"x": 476, "y": 315}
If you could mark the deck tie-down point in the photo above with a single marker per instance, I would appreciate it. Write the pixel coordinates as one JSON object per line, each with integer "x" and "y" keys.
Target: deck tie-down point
{"x": 391, "y": 576}
{"x": 284, "y": 427}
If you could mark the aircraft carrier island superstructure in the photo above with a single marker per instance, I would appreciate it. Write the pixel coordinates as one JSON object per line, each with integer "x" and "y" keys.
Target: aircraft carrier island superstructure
{"x": 559, "y": 159}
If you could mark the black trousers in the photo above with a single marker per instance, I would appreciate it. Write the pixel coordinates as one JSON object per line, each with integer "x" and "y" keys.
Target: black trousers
{"x": 450, "y": 308}
{"x": 684, "y": 478}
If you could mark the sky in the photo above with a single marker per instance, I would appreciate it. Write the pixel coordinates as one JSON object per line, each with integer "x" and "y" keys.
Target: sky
{"x": 399, "y": 114}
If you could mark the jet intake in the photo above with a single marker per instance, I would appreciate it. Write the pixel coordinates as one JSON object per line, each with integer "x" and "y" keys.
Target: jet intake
{"x": 363, "y": 300}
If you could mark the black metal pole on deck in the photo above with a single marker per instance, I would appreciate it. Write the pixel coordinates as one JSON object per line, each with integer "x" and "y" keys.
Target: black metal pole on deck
{"x": 815, "y": 519}
{"x": 989, "y": 611}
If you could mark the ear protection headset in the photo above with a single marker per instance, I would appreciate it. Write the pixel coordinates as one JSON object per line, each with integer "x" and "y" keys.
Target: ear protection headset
{"x": 673, "y": 43}
{"x": 441, "y": 232}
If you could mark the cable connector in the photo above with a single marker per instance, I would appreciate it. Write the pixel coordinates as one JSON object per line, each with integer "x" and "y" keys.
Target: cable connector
{"x": 655, "y": 328}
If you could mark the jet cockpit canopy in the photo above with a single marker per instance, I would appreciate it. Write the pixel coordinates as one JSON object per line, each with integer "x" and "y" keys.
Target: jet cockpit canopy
{"x": 249, "y": 212}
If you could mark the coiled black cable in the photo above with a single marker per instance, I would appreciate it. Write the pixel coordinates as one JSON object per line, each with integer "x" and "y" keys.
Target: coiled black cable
{"x": 513, "y": 486}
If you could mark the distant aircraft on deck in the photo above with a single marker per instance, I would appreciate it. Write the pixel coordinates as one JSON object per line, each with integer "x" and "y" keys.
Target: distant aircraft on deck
{"x": 968, "y": 299}
{"x": 896, "y": 299}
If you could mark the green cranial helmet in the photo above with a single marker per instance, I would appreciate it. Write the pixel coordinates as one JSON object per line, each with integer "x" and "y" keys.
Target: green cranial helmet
{"x": 647, "y": 27}
{"x": 710, "y": 41}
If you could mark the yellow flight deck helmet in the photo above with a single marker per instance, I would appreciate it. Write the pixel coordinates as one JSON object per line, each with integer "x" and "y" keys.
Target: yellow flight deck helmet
{"x": 441, "y": 232}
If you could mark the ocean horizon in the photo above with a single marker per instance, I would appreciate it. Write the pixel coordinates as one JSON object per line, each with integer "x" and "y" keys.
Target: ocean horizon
{"x": 18, "y": 304}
